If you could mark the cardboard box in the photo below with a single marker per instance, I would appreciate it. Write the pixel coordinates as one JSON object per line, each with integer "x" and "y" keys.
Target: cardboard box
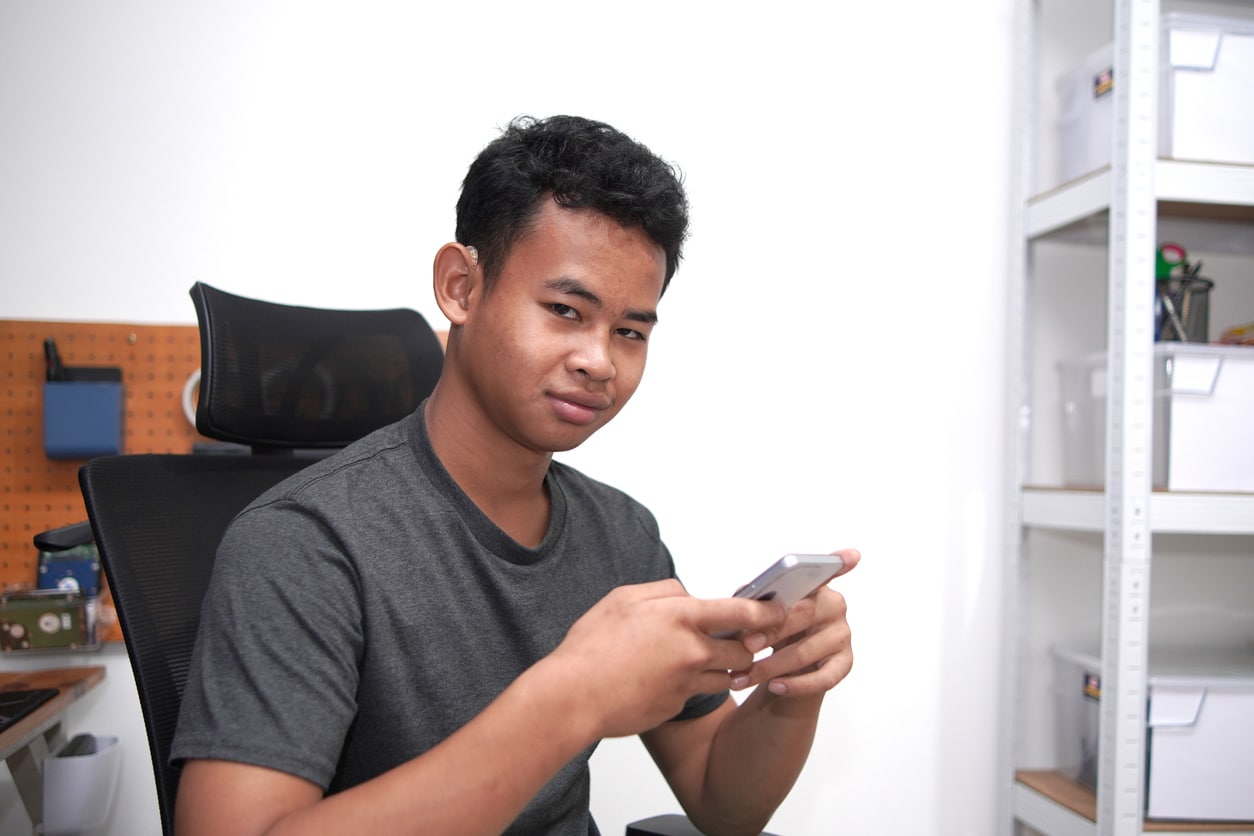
{"x": 1203, "y": 436}
{"x": 1206, "y": 97}
{"x": 1200, "y": 735}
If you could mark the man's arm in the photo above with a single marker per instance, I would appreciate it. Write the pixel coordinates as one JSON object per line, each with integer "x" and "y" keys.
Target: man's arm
{"x": 629, "y": 664}
{"x": 733, "y": 767}
{"x": 476, "y": 781}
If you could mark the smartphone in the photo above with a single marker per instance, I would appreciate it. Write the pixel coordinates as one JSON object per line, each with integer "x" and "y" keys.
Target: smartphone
{"x": 793, "y": 577}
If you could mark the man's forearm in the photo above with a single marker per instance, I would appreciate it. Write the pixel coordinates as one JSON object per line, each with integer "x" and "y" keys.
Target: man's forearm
{"x": 754, "y": 760}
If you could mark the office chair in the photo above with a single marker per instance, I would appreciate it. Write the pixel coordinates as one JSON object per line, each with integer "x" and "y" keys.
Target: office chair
{"x": 282, "y": 381}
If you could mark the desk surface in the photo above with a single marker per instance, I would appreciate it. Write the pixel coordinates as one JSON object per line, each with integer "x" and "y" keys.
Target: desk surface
{"x": 72, "y": 683}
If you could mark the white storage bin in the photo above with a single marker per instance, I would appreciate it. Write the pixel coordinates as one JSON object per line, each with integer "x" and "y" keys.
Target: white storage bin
{"x": 1200, "y": 734}
{"x": 1203, "y": 436}
{"x": 1206, "y": 97}
{"x": 1086, "y": 115}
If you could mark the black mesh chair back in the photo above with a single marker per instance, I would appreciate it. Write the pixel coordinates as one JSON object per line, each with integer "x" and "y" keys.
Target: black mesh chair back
{"x": 280, "y": 376}
{"x": 275, "y": 378}
{"x": 157, "y": 520}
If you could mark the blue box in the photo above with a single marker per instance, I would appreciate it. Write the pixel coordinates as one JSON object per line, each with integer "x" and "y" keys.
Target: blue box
{"x": 82, "y": 419}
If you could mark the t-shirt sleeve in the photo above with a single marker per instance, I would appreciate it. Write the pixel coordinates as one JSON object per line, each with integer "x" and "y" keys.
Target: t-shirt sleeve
{"x": 701, "y": 705}
{"x": 273, "y": 681}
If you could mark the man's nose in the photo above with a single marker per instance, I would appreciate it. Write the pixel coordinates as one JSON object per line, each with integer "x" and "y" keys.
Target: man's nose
{"x": 593, "y": 357}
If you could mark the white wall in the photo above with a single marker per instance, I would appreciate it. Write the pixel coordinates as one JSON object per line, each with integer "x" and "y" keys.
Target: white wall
{"x": 829, "y": 370}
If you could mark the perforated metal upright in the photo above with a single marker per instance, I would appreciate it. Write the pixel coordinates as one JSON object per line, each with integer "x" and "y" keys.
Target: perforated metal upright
{"x": 1130, "y": 339}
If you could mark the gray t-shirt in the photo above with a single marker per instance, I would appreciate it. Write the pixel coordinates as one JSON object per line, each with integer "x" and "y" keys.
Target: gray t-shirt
{"x": 365, "y": 609}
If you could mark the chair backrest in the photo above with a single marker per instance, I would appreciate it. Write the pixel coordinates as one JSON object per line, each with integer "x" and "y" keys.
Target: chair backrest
{"x": 273, "y": 377}
{"x": 157, "y": 520}
{"x": 280, "y": 376}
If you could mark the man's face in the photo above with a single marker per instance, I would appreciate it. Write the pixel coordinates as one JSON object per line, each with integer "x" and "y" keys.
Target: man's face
{"x": 558, "y": 345}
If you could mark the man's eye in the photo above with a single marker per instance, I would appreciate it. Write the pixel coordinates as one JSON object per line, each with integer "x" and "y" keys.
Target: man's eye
{"x": 563, "y": 310}
{"x": 632, "y": 334}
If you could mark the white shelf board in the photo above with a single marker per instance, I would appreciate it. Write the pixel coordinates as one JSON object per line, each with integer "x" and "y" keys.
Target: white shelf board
{"x": 1048, "y": 816}
{"x": 1183, "y": 182}
{"x": 1068, "y": 204}
{"x": 1170, "y": 513}
{"x": 1052, "y": 818}
{"x": 1188, "y": 187}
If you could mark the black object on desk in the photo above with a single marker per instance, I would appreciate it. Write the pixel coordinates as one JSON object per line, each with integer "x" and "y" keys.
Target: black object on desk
{"x": 14, "y": 705}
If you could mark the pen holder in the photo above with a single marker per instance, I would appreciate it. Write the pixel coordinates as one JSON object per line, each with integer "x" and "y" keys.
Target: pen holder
{"x": 82, "y": 418}
{"x": 1182, "y": 309}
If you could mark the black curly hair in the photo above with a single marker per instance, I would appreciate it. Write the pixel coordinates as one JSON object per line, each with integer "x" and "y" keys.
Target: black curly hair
{"x": 578, "y": 163}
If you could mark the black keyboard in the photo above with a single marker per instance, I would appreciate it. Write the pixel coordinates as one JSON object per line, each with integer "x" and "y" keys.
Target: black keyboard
{"x": 14, "y": 705}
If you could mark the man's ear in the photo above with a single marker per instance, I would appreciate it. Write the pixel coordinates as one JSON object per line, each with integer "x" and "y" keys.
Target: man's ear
{"x": 458, "y": 280}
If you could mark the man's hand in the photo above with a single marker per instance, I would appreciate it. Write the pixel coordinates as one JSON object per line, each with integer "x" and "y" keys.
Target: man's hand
{"x": 811, "y": 650}
{"x": 731, "y": 768}
{"x": 644, "y": 650}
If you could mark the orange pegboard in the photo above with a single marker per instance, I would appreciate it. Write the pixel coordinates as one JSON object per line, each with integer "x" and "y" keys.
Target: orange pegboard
{"x": 36, "y": 493}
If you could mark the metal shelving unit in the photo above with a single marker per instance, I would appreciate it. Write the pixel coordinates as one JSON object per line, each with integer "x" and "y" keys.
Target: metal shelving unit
{"x": 1122, "y": 206}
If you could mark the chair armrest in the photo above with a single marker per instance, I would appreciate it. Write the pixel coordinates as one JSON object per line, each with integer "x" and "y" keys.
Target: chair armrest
{"x": 666, "y": 825}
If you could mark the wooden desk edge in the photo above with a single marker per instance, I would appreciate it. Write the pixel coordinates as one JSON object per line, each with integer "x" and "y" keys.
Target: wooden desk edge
{"x": 72, "y": 683}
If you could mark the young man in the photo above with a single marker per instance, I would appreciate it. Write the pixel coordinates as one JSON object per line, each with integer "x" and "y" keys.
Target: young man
{"x": 430, "y": 631}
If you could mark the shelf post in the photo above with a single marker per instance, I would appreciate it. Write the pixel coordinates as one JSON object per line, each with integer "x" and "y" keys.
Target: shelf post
{"x": 1126, "y": 574}
{"x": 1019, "y": 389}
